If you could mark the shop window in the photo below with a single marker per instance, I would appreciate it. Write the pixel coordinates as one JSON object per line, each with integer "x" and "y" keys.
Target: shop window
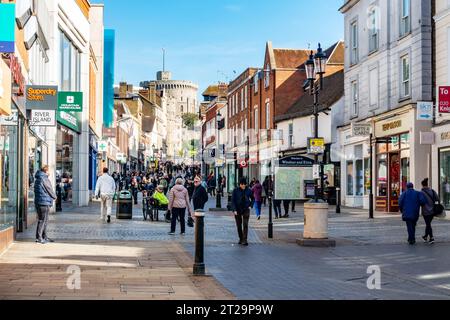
{"x": 394, "y": 145}
{"x": 405, "y": 170}
{"x": 404, "y": 141}
{"x": 359, "y": 178}
{"x": 444, "y": 185}
{"x": 382, "y": 178}
{"x": 350, "y": 178}
{"x": 367, "y": 182}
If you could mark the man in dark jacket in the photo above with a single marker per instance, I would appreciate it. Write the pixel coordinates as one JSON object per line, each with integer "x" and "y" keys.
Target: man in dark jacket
{"x": 44, "y": 197}
{"x": 410, "y": 203}
{"x": 200, "y": 195}
{"x": 431, "y": 198}
{"x": 241, "y": 203}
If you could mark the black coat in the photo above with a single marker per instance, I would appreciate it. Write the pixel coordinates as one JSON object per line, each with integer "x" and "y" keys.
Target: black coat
{"x": 199, "y": 198}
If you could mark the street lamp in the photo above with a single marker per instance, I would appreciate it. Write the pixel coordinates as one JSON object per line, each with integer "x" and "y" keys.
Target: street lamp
{"x": 316, "y": 65}
{"x": 218, "y": 195}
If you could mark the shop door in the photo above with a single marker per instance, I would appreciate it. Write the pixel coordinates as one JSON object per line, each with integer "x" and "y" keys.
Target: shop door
{"x": 394, "y": 182}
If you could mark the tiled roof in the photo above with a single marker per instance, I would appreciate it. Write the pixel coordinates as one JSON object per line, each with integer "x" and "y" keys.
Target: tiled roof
{"x": 333, "y": 84}
{"x": 290, "y": 58}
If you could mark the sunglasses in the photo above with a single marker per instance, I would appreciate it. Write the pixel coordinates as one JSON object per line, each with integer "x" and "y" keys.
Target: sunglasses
{"x": 196, "y": 181}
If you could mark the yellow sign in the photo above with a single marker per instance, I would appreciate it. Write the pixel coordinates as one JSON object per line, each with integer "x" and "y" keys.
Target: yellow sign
{"x": 317, "y": 143}
{"x": 316, "y": 146}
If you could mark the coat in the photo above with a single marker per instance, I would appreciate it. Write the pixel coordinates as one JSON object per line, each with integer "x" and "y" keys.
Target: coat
{"x": 410, "y": 203}
{"x": 44, "y": 195}
{"x": 199, "y": 198}
{"x": 106, "y": 186}
{"x": 161, "y": 198}
{"x": 241, "y": 200}
{"x": 257, "y": 192}
{"x": 179, "y": 198}
{"x": 431, "y": 197}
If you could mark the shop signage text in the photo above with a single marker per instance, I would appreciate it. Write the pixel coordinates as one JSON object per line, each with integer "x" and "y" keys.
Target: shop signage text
{"x": 16, "y": 73}
{"x": 43, "y": 118}
{"x": 444, "y": 99}
{"x": 296, "y": 162}
{"x": 445, "y": 136}
{"x": 400, "y": 124}
{"x": 69, "y": 120}
{"x": 70, "y": 101}
{"x": 361, "y": 129}
{"x": 392, "y": 125}
{"x": 102, "y": 146}
{"x": 7, "y": 31}
{"x": 41, "y": 97}
{"x": 424, "y": 110}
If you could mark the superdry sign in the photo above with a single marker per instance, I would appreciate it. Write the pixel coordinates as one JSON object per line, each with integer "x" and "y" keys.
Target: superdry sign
{"x": 444, "y": 99}
{"x": 41, "y": 97}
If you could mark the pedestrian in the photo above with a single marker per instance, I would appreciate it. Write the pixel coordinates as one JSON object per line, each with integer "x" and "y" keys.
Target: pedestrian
{"x": 241, "y": 202}
{"x": 286, "y": 208}
{"x": 257, "y": 195}
{"x": 190, "y": 187}
{"x": 293, "y": 206}
{"x": 200, "y": 196}
{"x": 410, "y": 203}
{"x": 44, "y": 195}
{"x": 266, "y": 189}
{"x": 105, "y": 190}
{"x": 252, "y": 183}
{"x": 135, "y": 188}
{"x": 277, "y": 208}
{"x": 428, "y": 211}
{"x": 178, "y": 203}
{"x": 212, "y": 184}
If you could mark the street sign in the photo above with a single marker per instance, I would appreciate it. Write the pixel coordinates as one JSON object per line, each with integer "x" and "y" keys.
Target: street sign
{"x": 243, "y": 164}
{"x": 444, "y": 99}
{"x": 316, "y": 171}
{"x": 43, "y": 118}
{"x": 41, "y": 97}
{"x": 102, "y": 146}
{"x": 316, "y": 146}
{"x": 296, "y": 161}
{"x": 361, "y": 129}
{"x": 424, "y": 110}
{"x": 11, "y": 120}
{"x": 70, "y": 101}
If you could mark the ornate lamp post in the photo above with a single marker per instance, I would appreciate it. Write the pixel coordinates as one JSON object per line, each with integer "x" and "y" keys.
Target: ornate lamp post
{"x": 218, "y": 195}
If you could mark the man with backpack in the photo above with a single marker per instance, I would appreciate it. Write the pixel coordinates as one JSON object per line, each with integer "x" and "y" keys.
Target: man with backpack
{"x": 429, "y": 210}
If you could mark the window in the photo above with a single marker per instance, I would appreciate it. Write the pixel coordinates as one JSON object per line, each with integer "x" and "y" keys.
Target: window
{"x": 349, "y": 178}
{"x": 267, "y": 76}
{"x": 70, "y": 65}
{"x": 405, "y": 77}
{"x": 291, "y": 135}
{"x": 354, "y": 111}
{"x": 359, "y": 177}
{"x": 245, "y": 97}
{"x": 444, "y": 186}
{"x": 382, "y": 176}
{"x": 242, "y": 99}
{"x": 373, "y": 88}
{"x": 354, "y": 43}
{"x": 255, "y": 82}
{"x": 268, "y": 115}
{"x": 405, "y": 21}
{"x": 367, "y": 182}
{"x": 256, "y": 119}
{"x": 373, "y": 30}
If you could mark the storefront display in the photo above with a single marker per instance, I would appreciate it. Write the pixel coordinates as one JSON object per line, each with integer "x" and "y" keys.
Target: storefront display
{"x": 64, "y": 161}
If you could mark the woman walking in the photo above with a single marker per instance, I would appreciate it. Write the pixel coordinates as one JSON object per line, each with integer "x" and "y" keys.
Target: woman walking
{"x": 428, "y": 213}
{"x": 178, "y": 203}
{"x": 257, "y": 195}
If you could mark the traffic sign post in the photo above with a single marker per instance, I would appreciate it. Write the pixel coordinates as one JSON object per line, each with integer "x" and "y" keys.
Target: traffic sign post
{"x": 316, "y": 146}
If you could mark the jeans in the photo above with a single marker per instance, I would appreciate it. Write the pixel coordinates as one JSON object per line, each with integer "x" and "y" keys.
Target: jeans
{"x": 277, "y": 208}
{"x": 42, "y": 213}
{"x": 411, "y": 226}
{"x": 135, "y": 195}
{"x": 293, "y": 205}
{"x": 428, "y": 229}
{"x": 258, "y": 208}
{"x": 242, "y": 225}
{"x": 175, "y": 213}
{"x": 286, "y": 207}
{"x": 106, "y": 206}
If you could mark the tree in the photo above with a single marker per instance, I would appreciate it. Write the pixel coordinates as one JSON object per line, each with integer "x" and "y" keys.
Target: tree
{"x": 190, "y": 120}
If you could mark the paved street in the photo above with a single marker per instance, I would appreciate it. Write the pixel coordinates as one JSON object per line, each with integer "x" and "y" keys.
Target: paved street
{"x": 137, "y": 259}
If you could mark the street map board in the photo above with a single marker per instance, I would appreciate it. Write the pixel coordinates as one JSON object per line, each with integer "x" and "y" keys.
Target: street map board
{"x": 289, "y": 183}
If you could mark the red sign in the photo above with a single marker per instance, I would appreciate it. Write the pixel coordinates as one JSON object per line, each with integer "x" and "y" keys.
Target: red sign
{"x": 444, "y": 99}
{"x": 243, "y": 164}
{"x": 16, "y": 73}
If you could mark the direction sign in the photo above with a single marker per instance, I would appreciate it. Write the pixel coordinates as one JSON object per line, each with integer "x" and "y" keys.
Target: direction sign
{"x": 444, "y": 99}
{"x": 102, "y": 146}
{"x": 424, "y": 110}
{"x": 316, "y": 145}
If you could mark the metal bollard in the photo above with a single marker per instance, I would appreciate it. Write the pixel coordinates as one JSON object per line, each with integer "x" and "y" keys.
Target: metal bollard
{"x": 58, "y": 198}
{"x": 270, "y": 216}
{"x": 199, "y": 265}
{"x": 338, "y": 200}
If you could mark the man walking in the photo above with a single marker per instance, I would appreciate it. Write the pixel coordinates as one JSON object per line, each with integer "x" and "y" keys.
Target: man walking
{"x": 44, "y": 197}
{"x": 241, "y": 202}
{"x": 428, "y": 213}
{"x": 105, "y": 189}
{"x": 410, "y": 203}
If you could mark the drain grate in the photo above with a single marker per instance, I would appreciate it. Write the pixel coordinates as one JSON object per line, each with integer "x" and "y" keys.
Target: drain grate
{"x": 160, "y": 290}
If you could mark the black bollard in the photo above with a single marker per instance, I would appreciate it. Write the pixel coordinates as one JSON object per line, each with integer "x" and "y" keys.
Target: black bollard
{"x": 270, "y": 216}
{"x": 218, "y": 199}
{"x": 199, "y": 265}
{"x": 58, "y": 198}
{"x": 338, "y": 200}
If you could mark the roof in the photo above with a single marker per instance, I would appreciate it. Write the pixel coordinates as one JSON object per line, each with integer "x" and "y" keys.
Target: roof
{"x": 290, "y": 58}
{"x": 333, "y": 91}
{"x": 216, "y": 90}
{"x": 336, "y": 53}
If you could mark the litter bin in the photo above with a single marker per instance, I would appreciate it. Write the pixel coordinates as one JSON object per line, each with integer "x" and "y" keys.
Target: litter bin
{"x": 125, "y": 205}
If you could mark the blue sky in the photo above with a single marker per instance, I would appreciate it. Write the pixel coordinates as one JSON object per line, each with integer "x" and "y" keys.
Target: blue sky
{"x": 207, "y": 40}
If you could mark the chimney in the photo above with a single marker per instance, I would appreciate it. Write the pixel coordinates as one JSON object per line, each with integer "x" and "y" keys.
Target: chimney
{"x": 123, "y": 90}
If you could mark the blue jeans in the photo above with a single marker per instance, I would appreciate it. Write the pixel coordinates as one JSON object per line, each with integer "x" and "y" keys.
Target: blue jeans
{"x": 258, "y": 208}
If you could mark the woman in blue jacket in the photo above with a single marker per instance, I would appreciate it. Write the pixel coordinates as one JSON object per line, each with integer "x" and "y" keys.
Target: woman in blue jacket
{"x": 410, "y": 203}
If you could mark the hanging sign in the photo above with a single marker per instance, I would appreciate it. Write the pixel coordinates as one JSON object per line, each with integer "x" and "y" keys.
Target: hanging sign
{"x": 70, "y": 101}
{"x": 12, "y": 120}
{"x": 361, "y": 129}
{"x": 43, "y": 118}
{"x": 102, "y": 146}
{"x": 41, "y": 97}
{"x": 425, "y": 110}
{"x": 444, "y": 99}
{"x": 8, "y": 27}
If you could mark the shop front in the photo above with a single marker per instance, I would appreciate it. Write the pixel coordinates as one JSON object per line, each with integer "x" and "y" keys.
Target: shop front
{"x": 67, "y": 140}
{"x": 441, "y": 164}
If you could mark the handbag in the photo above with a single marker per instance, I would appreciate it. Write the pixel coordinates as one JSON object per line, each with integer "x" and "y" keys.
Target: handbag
{"x": 438, "y": 208}
{"x": 190, "y": 222}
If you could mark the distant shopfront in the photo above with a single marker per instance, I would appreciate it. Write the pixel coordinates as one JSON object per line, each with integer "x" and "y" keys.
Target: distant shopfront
{"x": 441, "y": 164}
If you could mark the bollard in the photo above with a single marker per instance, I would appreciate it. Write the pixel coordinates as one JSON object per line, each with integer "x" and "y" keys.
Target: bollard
{"x": 218, "y": 199}
{"x": 338, "y": 200}
{"x": 58, "y": 198}
{"x": 199, "y": 265}
{"x": 270, "y": 215}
